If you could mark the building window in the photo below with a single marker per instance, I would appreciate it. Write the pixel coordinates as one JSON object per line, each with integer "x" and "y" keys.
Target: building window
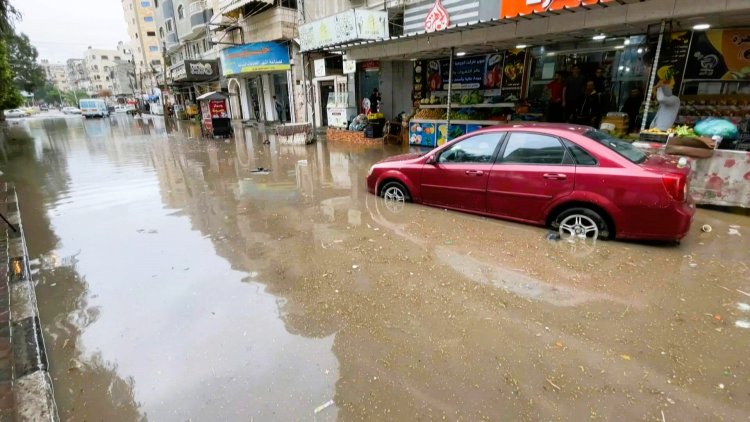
{"x": 118, "y": 57}
{"x": 105, "y": 57}
{"x": 156, "y": 3}
{"x": 145, "y": 4}
{"x": 181, "y": 12}
{"x": 151, "y": 33}
{"x": 148, "y": 19}
{"x": 161, "y": 32}
{"x": 153, "y": 48}
{"x": 168, "y": 24}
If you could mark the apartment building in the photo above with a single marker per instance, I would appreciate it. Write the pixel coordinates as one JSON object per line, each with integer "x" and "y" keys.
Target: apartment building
{"x": 56, "y": 74}
{"x": 140, "y": 16}
{"x": 77, "y": 75}
{"x": 100, "y": 64}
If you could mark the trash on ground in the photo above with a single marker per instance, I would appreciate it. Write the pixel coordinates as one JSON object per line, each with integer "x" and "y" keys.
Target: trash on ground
{"x": 261, "y": 170}
{"x": 744, "y": 307}
{"x": 323, "y": 406}
{"x": 625, "y": 357}
{"x": 742, "y": 324}
{"x": 706, "y": 228}
{"x": 734, "y": 232}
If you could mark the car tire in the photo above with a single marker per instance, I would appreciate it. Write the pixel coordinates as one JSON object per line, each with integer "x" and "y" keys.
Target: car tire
{"x": 395, "y": 191}
{"x": 582, "y": 218}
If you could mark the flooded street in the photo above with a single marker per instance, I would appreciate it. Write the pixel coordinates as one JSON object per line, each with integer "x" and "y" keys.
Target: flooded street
{"x": 177, "y": 283}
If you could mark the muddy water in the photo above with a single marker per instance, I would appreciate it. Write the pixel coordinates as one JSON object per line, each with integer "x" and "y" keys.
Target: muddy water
{"x": 176, "y": 283}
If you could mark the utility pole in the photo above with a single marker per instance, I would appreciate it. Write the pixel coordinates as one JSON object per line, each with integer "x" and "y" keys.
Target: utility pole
{"x": 163, "y": 95}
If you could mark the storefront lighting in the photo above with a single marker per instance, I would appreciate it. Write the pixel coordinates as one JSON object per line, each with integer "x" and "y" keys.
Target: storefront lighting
{"x": 521, "y": 46}
{"x": 619, "y": 47}
{"x": 551, "y": 53}
{"x": 627, "y": 69}
{"x": 701, "y": 26}
{"x": 640, "y": 51}
{"x": 460, "y": 53}
{"x": 627, "y": 41}
{"x": 621, "y": 68}
{"x": 599, "y": 37}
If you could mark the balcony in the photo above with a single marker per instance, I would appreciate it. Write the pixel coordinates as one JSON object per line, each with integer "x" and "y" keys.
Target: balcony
{"x": 273, "y": 24}
{"x": 199, "y": 15}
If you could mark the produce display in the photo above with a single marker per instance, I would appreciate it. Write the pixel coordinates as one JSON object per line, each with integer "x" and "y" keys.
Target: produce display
{"x": 430, "y": 113}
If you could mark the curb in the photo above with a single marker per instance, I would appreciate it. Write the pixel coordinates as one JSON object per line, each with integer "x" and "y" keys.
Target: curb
{"x": 26, "y": 392}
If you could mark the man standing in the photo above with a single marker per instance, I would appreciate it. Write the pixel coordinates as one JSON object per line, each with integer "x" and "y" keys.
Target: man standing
{"x": 589, "y": 112}
{"x": 555, "y": 111}
{"x": 375, "y": 101}
{"x": 573, "y": 92}
{"x": 669, "y": 107}
{"x": 279, "y": 108}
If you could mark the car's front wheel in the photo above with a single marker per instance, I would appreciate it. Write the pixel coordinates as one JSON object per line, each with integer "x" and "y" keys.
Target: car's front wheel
{"x": 395, "y": 191}
{"x": 581, "y": 223}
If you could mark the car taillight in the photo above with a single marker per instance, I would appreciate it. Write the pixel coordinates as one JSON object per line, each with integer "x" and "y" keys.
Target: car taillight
{"x": 676, "y": 186}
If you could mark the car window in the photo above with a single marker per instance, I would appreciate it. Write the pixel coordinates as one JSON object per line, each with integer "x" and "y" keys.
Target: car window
{"x": 477, "y": 149}
{"x": 87, "y": 104}
{"x": 624, "y": 148}
{"x": 580, "y": 155}
{"x": 533, "y": 148}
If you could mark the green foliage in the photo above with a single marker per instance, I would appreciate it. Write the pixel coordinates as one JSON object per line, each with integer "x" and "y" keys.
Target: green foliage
{"x": 28, "y": 74}
{"x": 9, "y": 95}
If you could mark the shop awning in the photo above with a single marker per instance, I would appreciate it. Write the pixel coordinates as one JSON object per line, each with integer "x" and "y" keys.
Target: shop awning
{"x": 213, "y": 95}
{"x": 233, "y": 8}
{"x": 615, "y": 18}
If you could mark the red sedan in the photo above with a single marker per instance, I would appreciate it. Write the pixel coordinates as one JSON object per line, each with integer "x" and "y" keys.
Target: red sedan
{"x": 575, "y": 179}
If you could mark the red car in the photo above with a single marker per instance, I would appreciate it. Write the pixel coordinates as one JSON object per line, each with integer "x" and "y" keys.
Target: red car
{"x": 575, "y": 179}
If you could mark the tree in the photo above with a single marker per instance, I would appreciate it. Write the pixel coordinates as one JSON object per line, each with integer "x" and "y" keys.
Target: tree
{"x": 8, "y": 14}
{"x": 9, "y": 95}
{"x": 28, "y": 74}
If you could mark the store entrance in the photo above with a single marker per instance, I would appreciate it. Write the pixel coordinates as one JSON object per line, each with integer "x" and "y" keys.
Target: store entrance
{"x": 368, "y": 81}
{"x": 281, "y": 90}
{"x": 326, "y": 88}
{"x": 254, "y": 91}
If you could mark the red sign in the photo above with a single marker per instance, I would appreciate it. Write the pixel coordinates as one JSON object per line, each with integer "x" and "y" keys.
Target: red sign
{"x": 513, "y": 8}
{"x": 218, "y": 109}
{"x": 437, "y": 19}
{"x": 370, "y": 66}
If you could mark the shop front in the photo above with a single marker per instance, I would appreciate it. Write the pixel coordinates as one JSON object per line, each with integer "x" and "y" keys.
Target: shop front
{"x": 259, "y": 75}
{"x": 190, "y": 79}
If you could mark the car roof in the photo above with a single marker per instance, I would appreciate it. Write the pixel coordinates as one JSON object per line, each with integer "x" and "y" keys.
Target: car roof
{"x": 568, "y": 127}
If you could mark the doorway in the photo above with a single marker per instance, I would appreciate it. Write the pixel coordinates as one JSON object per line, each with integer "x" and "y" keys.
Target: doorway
{"x": 281, "y": 91}
{"x": 368, "y": 81}
{"x": 254, "y": 91}
{"x": 326, "y": 88}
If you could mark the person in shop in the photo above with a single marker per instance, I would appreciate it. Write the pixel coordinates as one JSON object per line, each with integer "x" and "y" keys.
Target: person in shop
{"x": 573, "y": 92}
{"x": 600, "y": 82}
{"x": 555, "y": 89}
{"x": 279, "y": 108}
{"x": 589, "y": 112}
{"x": 669, "y": 107}
{"x": 632, "y": 107}
{"x": 375, "y": 101}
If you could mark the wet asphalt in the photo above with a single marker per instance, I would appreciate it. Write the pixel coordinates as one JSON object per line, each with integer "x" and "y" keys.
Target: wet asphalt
{"x": 175, "y": 282}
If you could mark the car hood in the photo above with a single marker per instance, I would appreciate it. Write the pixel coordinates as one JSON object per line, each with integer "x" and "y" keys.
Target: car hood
{"x": 403, "y": 157}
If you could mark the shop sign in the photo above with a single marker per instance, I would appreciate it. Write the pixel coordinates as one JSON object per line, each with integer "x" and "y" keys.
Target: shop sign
{"x": 370, "y": 66}
{"x": 513, "y": 8}
{"x": 502, "y": 70}
{"x": 436, "y": 15}
{"x": 437, "y": 18}
{"x": 320, "y": 67}
{"x": 720, "y": 54}
{"x": 513, "y": 69}
{"x": 255, "y": 57}
{"x": 674, "y": 54}
{"x": 195, "y": 71}
{"x": 350, "y": 66}
{"x": 218, "y": 109}
{"x": 352, "y": 25}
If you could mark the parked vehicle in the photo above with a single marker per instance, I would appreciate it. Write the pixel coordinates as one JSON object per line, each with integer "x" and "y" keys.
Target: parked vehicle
{"x": 15, "y": 113}
{"x": 71, "y": 110}
{"x": 92, "y": 107}
{"x": 129, "y": 109}
{"x": 44, "y": 107}
{"x": 575, "y": 179}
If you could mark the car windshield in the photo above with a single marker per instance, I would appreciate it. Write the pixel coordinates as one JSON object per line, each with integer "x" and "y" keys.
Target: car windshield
{"x": 624, "y": 148}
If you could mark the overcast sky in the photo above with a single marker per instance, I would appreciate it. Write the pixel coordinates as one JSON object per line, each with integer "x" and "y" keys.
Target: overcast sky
{"x": 63, "y": 29}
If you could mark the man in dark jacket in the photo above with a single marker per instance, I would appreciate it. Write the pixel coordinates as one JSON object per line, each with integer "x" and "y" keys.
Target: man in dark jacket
{"x": 589, "y": 112}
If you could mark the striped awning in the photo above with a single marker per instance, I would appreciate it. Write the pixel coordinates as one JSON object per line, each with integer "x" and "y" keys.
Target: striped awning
{"x": 232, "y": 8}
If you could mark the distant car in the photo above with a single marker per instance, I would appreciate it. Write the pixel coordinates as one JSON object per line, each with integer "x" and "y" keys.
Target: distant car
{"x": 43, "y": 107}
{"x": 15, "y": 113}
{"x": 581, "y": 182}
{"x": 71, "y": 110}
{"x": 93, "y": 107}
{"x": 120, "y": 109}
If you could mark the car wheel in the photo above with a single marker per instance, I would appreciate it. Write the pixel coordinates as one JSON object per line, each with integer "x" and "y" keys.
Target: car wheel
{"x": 581, "y": 223}
{"x": 396, "y": 192}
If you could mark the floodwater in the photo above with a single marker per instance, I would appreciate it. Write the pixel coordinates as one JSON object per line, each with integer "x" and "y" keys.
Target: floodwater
{"x": 175, "y": 283}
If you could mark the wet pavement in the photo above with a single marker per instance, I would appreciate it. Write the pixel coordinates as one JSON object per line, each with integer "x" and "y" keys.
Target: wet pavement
{"x": 175, "y": 283}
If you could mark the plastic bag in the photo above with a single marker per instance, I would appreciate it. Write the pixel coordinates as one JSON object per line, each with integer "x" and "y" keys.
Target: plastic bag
{"x": 716, "y": 127}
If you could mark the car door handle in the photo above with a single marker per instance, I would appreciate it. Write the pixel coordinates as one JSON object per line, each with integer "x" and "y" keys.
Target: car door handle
{"x": 555, "y": 176}
{"x": 474, "y": 172}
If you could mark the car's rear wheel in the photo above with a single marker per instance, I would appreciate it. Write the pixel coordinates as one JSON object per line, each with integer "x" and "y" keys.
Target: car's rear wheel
{"x": 581, "y": 223}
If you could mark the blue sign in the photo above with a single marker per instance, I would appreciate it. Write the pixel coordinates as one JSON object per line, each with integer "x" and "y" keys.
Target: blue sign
{"x": 255, "y": 57}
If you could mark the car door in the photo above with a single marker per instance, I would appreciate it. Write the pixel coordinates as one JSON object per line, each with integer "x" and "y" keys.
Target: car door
{"x": 531, "y": 171}
{"x": 457, "y": 177}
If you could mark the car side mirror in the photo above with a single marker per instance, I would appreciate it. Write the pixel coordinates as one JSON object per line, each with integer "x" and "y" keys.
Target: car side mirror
{"x": 431, "y": 160}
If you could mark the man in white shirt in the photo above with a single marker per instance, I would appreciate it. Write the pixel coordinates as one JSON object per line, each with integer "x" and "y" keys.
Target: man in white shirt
{"x": 669, "y": 107}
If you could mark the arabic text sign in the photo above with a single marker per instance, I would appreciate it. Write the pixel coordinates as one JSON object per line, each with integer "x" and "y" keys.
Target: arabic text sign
{"x": 513, "y": 8}
{"x": 344, "y": 27}
{"x": 255, "y": 57}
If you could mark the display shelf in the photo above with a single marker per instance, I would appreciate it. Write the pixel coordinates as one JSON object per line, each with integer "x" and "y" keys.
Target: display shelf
{"x": 458, "y": 106}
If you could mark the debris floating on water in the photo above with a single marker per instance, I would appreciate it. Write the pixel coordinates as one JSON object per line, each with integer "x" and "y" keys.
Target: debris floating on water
{"x": 323, "y": 407}
{"x": 706, "y": 228}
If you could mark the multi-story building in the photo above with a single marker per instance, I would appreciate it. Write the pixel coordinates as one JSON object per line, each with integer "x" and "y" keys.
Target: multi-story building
{"x": 99, "y": 65}
{"x": 57, "y": 75}
{"x": 140, "y": 16}
{"x": 77, "y": 75}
